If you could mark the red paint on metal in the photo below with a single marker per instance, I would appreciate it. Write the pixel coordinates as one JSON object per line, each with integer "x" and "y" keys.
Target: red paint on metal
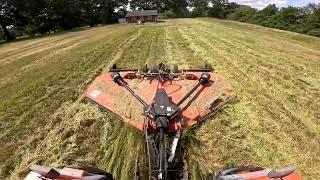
{"x": 116, "y": 99}
{"x": 292, "y": 176}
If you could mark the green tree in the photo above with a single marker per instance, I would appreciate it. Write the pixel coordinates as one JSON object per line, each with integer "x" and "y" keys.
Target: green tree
{"x": 108, "y": 14}
{"x": 270, "y": 10}
{"x": 122, "y": 12}
{"x": 178, "y": 7}
{"x": 1, "y": 35}
{"x": 267, "y": 16}
{"x": 146, "y": 4}
{"x": 173, "y": 8}
{"x": 242, "y": 13}
{"x": 200, "y": 7}
{"x": 36, "y": 16}
{"x": 91, "y": 11}
{"x": 66, "y": 13}
{"x": 8, "y": 17}
{"x": 289, "y": 18}
{"x": 218, "y": 8}
{"x": 311, "y": 23}
{"x": 230, "y": 8}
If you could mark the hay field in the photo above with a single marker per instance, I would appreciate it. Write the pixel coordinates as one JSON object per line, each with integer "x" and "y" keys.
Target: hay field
{"x": 274, "y": 120}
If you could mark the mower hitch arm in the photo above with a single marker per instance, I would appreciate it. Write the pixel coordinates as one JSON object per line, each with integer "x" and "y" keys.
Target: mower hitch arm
{"x": 119, "y": 80}
{"x": 204, "y": 79}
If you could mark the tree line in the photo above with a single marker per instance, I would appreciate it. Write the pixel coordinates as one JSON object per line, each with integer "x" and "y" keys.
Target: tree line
{"x": 31, "y": 17}
{"x": 304, "y": 20}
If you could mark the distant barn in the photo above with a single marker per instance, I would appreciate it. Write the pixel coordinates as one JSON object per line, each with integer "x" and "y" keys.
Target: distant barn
{"x": 142, "y": 16}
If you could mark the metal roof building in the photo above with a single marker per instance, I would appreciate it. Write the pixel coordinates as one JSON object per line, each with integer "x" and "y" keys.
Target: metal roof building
{"x": 142, "y": 16}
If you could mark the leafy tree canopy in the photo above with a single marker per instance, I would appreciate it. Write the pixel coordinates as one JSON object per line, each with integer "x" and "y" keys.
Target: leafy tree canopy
{"x": 30, "y": 17}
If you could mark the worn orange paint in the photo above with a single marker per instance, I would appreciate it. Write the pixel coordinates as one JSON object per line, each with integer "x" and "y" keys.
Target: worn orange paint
{"x": 201, "y": 103}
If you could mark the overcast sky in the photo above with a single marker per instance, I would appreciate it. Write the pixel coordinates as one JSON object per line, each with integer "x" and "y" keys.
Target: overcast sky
{"x": 260, "y": 4}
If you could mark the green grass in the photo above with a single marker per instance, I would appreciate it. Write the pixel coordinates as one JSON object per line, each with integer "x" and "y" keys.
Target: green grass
{"x": 273, "y": 122}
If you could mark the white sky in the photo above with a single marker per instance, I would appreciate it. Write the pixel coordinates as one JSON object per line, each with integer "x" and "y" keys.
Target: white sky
{"x": 260, "y": 4}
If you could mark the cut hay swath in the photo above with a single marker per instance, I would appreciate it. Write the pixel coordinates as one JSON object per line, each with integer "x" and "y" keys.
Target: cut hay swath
{"x": 273, "y": 122}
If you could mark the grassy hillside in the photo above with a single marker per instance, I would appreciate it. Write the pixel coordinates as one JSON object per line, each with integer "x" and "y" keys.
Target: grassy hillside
{"x": 273, "y": 122}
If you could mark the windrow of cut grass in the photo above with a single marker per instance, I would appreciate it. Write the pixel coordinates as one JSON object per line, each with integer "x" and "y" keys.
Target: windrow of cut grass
{"x": 177, "y": 49}
{"x": 79, "y": 133}
{"x": 31, "y": 98}
{"x": 274, "y": 121}
{"x": 148, "y": 48}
